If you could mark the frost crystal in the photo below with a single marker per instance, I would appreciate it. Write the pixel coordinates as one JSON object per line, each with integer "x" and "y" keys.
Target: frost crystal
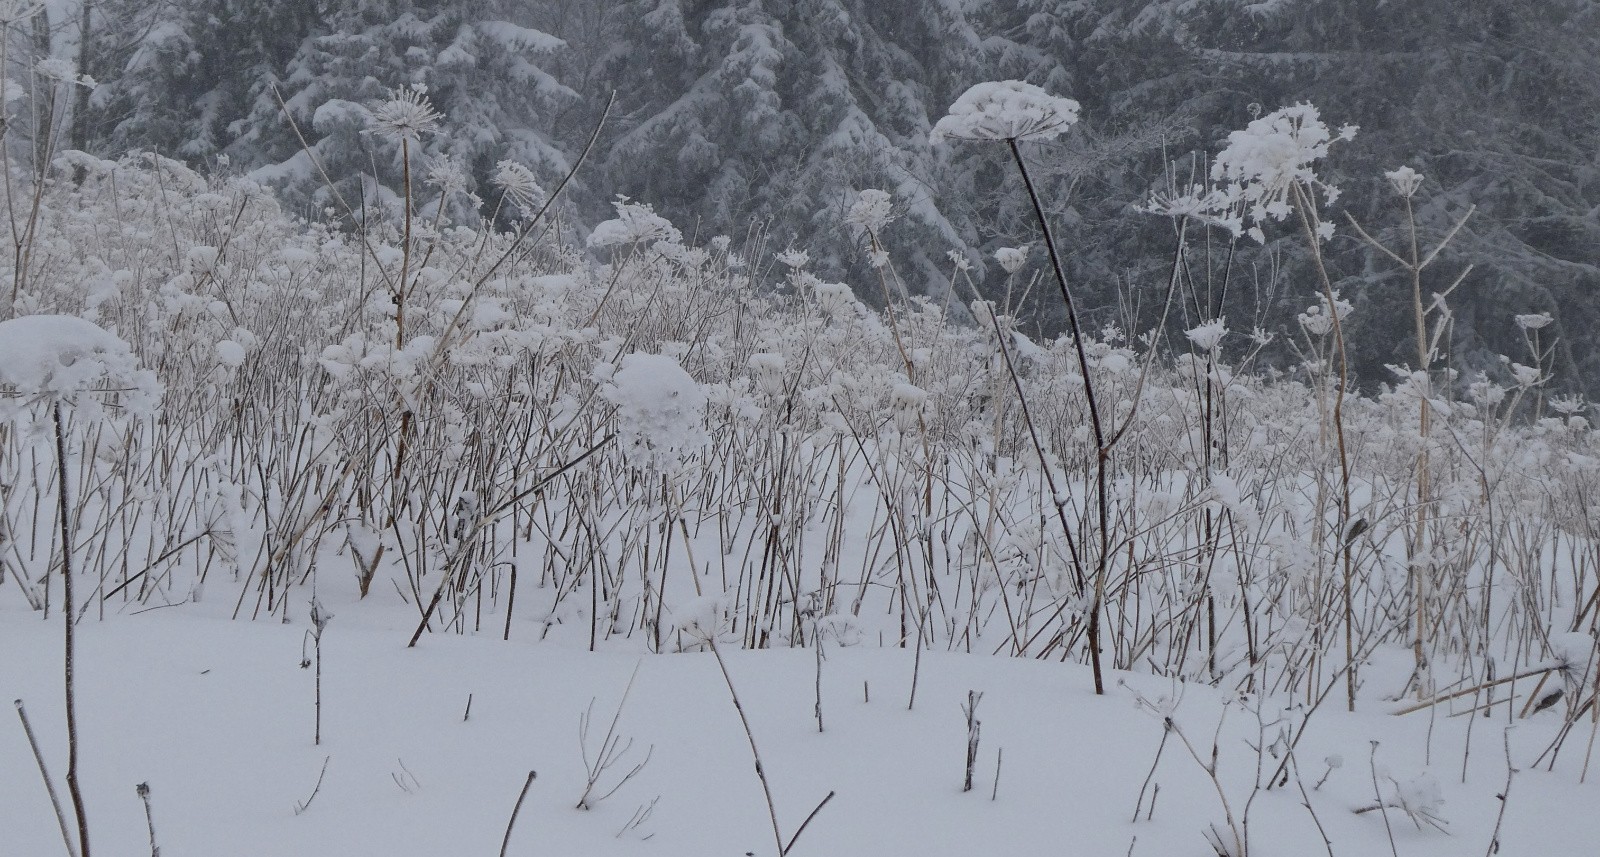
{"x": 1006, "y": 110}
{"x": 1534, "y": 321}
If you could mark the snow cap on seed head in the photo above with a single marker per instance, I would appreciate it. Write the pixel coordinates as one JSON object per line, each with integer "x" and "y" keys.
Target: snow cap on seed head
{"x": 1006, "y": 110}
{"x": 63, "y": 358}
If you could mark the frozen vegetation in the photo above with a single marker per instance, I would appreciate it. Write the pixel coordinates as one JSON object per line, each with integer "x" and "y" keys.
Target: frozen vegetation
{"x": 325, "y": 541}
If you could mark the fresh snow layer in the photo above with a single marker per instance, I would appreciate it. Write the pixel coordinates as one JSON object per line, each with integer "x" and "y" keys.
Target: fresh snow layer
{"x": 217, "y": 717}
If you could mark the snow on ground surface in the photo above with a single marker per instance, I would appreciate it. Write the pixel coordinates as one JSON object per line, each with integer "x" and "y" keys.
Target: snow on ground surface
{"x": 217, "y": 717}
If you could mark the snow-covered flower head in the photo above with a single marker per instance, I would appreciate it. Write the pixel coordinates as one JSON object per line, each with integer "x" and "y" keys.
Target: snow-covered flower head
{"x": 61, "y": 69}
{"x": 660, "y": 412}
{"x": 1006, "y": 110}
{"x": 62, "y": 357}
{"x": 771, "y": 372}
{"x": 1318, "y": 318}
{"x": 636, "y": 222}
{"x": 447, "y": 175}
{"x": 1272, "y": 155}
{"x": 907, "y": 402}
{"x": 407, "y": 115}
{"x": 1404, "y": 180}
{"x": 1534, "y": 321}
{"x": 1208, "y": 336}
{"x": 873, "y": 209}
{"x": 794, "y": 259}
{"x": 1526, "y": 376}
{"x": 1012, "y": 258}
{"x": 519, "y": 185}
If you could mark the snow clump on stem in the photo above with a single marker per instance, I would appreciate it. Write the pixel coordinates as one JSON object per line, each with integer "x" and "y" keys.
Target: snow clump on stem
{"x": 63, "y": 357}
{"x": 660, "y": 412}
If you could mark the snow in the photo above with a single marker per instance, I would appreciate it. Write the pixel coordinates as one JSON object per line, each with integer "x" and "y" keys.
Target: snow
{"x": 635, "y": 223}
{"x": 57, "y": 354}
{"x": 1011, "y": 259}
{"x": 1006, "y": 110}
{"x": 660, "y": 411}
{"x": 217, "y": 718}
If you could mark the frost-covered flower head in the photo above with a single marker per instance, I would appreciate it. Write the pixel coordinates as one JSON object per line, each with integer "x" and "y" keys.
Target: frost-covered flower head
{"x": 1208, "y": 336}
{"x": 635, "y": 222}
{"x": 519, "y": 185}
{"x": 1012, "y": 258}
{"x": 907, "y": 402}
{"x": 447, "y": 175}
{"x": 1006, "y": 110}
{"x": 873, "y": 209}
{"x": 1404, "y": 180}
{"x": 1318, "y": 319}
{"x": 1534, "y": 321}
{"x": 1273, "y": 154}
{"x": 407, "y": 115}
{"x": 62, "y": 69}
{"x": 794, "y": 259}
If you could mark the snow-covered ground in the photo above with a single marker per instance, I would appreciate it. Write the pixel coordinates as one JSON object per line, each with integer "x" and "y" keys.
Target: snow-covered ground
{"x": 218, "y": 717}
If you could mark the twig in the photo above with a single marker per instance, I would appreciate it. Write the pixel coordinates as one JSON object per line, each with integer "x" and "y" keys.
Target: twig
{"x": 999, "y": 756}
{"x": 55, "y": 802}
{"x": 761, "y": 773}
{"x": 143, "y": 791}
{"x": 506, "y": 842}
{"x": 802, "y": 828}
{"x": 1504, "y": 796}
{"x": 1377, "y": 794}
{"x": 73, "y": 791}
{"x": 306, "y": 804}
